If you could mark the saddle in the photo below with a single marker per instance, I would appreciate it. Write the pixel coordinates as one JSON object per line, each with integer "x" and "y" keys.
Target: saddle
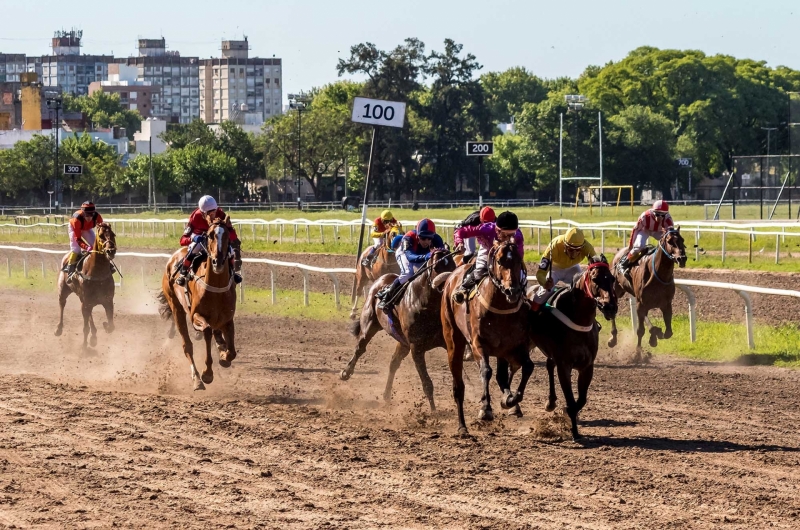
{"x": 552, "y": 306}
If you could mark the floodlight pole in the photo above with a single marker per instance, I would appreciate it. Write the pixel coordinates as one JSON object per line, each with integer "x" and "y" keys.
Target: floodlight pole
{"x": 560, "y": 162}
{"x": 600, "y": 141}
{"x": 761, "y": 188}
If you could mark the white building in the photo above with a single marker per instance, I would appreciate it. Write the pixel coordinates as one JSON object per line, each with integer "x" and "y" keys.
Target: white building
{"x": 152, "y": 128}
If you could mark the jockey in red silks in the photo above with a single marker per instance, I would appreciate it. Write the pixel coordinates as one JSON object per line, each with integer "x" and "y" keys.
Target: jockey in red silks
{"x": 652, "y": 223}
{"x": 505, "y": 227}
{"x": 412, "y": 252}
{"x": 194, "y": 236}
{"x": 81, "y": 234}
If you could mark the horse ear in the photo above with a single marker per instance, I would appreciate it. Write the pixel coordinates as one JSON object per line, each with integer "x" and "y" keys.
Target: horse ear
{"x": 678, "y": 228}
{"x": 603, "y": 258}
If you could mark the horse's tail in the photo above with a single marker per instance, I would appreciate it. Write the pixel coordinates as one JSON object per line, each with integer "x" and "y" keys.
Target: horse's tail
{"x": 163, "y": 306}
{"x": 355, "y": 327}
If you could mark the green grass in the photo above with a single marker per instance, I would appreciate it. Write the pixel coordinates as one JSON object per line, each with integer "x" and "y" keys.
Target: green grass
{"x": 720, "y": 341}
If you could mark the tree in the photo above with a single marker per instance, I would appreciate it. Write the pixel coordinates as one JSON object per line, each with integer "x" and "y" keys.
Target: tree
{"x": 506, "y": 92}
{"x": 239, "y": 145}
{"x": 135, "y": 179}
{"x": 510, "y": 166}
{"x": 198, "y": 168}
{"x": 104, "y": 110}
{"x": 26, "y": 171}
{"x": 100, "y": 165}
{"x": 179, "y": 135}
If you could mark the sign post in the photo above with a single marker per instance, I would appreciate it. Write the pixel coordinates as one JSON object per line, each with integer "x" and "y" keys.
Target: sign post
{"x": 481, "y": 150}
{"x": 72, "y": 170}
{"x": 687, "y": 164}
{"x": 378, "y": 113}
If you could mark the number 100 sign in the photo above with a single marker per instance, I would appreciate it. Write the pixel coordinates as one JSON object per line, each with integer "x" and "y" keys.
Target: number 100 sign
{"x": 379, "y": 112}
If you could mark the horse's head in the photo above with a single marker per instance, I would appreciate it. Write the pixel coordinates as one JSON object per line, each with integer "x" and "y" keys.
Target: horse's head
{"x": 441, "y": 261}
{"x": 673, "y": 245}
{"x": 218, "y": 244}
{"x": 105, "y": 240}
{"x": 505, "y": 269}
{"x": 599, "y": 283}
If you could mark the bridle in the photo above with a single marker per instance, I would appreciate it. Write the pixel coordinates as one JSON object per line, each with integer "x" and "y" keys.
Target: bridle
{"x": 509, "y": 292}
{"x": 674, "y": 259}
{"x": 588, "y": 280}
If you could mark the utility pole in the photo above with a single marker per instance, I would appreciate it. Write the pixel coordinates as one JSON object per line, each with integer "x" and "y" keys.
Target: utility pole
{"x": 761, "y": 188}
{"x": 54, "y": 103}
{"x": 299, "y": 102}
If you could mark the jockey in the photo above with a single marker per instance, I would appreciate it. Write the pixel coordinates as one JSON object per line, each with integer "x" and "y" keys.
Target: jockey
{"x": 652, "y": 223}
{"x": 476, "y": 218}
{"x": 194, "y": 236}
{"x": 561, "y": 262}
{"x": 414, "y": 250}
{"x": 81, "y": 234}
{"x": 380, "y": 227}
{"x": 505, "y": 227}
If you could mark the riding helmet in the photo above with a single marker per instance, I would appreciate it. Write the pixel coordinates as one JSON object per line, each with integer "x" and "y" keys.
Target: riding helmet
{"x": 574, "y": 239}
{"x": 661, "y": 206}
{"x": 426, "y": 228}
{"x": 386, "y": 215}
{"x": 207, "y": 203}
{"x": 87, "y": 207}
{"x": 507, "y": 221}
{"x": 487, "y": 215}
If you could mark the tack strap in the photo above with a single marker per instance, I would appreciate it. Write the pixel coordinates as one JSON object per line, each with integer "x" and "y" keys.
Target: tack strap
{"x": 488, "y": 306}
{"x": 569, "y": 323}
{"x": 211, "y": 288}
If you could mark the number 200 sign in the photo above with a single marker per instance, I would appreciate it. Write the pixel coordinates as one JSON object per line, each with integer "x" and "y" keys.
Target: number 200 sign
{"x": 480, "y": 148}
{"x": 379, "y": 112}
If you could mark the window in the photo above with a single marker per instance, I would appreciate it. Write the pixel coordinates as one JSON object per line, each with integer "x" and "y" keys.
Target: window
{"x": 133, "y": 95}
{"x": 133, "y": 106}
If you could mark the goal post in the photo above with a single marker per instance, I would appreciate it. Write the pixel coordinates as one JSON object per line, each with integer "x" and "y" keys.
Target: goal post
{"x": 591, "y": 189}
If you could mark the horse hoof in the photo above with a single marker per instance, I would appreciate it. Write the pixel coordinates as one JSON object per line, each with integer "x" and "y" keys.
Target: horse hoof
{"x": 198, "y": 335}
{"x": 486, "y": 415}
{"x": 658, "y": 332}
{"x": 577, "y": 437}
{"x": 93, "y": 341}
{"x": 612, "y": 342}
{"x": 225, "y": 363}
{"x": 208, "y": 377}
{"x": 516, "y": 412}
{"x": 58, "y": 332}
{"x": 463, "y": 432}
{"x": 108, "y": 327}
{"x": 345, "y": 375}
{"x": 667, "y": 335}
{"x": 653, "y": 341}
{"x": 550, "y": 406}
{"x": 198, "y": 385}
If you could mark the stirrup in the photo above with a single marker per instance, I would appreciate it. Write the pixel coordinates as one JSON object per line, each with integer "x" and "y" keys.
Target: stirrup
{"x": 237, "y": 278}
{"x": 180, "y": 280}
{"x": 459, "y": 296}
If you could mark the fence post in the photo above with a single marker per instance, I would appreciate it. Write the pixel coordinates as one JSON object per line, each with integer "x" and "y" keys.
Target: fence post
{"x": 335, "y": 288}
{"x": 748, "y": 318}
{"x": 272, "y": 283}
{"x": 723, "y": 245}
{"x": 253, "y": 230}
{"x": 241, "y": 292}
{"x": 25, "y": 266}
{"x": 305, "y": 287}
{"x": 697, "y": 245}
{"x": 602, "y": 241}
{"x": 777, "y": 248}
{"x": 322, "y": 234}
{"x": 308, "y": 234}
{"x": 335, "y": 233}
{"x": 750, "y": 247}
{"x": 281, "y": 232}
{"x": 269, "y": 231}
{"x": 692, "y": 313}
{"x": 43, "y": 269}
{"x": 295, "y": 232}
{"x": 538, "y": 239}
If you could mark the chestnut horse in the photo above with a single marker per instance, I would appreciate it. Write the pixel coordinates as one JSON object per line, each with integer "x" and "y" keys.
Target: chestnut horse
{"x": 93, "y": 282}
{"x": 652, "y": 282}
{"x": 415, "y": 323}
{"x": 384, "y": 263}
{"x": 494, "y": 323}
{"x": 567, "y": 334}
{"x": 209, "y": 300}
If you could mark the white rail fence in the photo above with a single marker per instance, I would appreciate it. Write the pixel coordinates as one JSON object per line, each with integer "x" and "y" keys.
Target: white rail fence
{"x": 288, "y": 229}
{"x": 684, "y": 285}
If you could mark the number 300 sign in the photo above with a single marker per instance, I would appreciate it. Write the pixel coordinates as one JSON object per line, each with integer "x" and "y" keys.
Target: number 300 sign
{"x": 379, "y": 112}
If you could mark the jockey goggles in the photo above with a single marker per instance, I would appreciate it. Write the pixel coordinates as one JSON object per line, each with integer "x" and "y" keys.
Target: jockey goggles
{"x": 425, "y": 238}
{"x": 572, "y": 248}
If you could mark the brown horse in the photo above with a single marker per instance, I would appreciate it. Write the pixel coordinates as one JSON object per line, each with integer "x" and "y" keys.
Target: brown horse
{"x": 651, "y": 281}
{"x": 567, "y": 334}
{"x": 414, "y": 323}
{"x": 209, "y": 300}
{"x": 493, "y": 323}
{"x": 384, "y": 263}
{"x": 93, "y": 282}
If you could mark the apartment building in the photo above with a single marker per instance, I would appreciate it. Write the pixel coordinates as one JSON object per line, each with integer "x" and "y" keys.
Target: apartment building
{"x": 66, "y": 67}
{"x": 238, "y": 87}
{"x": 133, "y": 94}
{"x": 11, "y": 66}
{"x": 178, "y": 77}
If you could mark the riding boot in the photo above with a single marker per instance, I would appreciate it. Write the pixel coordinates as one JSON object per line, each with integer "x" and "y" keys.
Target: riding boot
{"x": 386, "y": 295}
{"x": 237, "y": 264}
{"x": 70, "y": 268}
{"x": 623, "y": 265}
{"x": 367, "y": 261}
{"x": 467, "y": 284}
{"x": 183, "y": 271}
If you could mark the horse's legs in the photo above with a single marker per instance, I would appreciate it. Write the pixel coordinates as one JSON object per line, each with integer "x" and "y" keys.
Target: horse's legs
{"x": 208, "y": 374}
{"x": 565, "y": 378}
{"x": 418, "y": 354}
{"x": 666, "y": 310}
{"x": 551, "y": 399}
{"x": 502, "y": 377}
{"x": 220, "y": 341}
{"x": 485, "y": 413}
{"x": 86, "y": 311}
{"x": 229, "y": 335}
{"x": 513, "y": 369}
{"x": 179, "y": 318}
{"x": 641, "y": 313}
{"x": 584, "y": 380}
{"x": 63, "y": 294}
{"x": 612, "y": 340}
{"x": 108, "y": 325}
{"x": 523, "y": 358}
{"x": 361, "y": 347}
{"x": 455, "y": 358}
{"x": 400, "y": 353}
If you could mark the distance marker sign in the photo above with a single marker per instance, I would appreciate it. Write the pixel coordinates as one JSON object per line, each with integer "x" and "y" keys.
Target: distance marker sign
{"x": 73, "y": 169}
{"x": 480, "y": 148}
{"x": 379, "y": 112}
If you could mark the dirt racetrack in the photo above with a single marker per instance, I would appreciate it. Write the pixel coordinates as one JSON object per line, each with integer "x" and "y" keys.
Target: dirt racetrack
{"x": 114, "y": 437}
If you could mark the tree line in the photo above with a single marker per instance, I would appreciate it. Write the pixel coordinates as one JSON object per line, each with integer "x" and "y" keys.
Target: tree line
{"x": 656, "y": 106}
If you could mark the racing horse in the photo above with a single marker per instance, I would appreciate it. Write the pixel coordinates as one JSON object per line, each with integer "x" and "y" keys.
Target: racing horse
{"x": 383, "y": 263}
{"x": 651, "y": 281}
{"x": 493, "y": 323}
{"x": 567, "y": 334}
{"x": 414, "y": 323}
{"x": 209, "y": 300}
{"x": 93, "y": 282}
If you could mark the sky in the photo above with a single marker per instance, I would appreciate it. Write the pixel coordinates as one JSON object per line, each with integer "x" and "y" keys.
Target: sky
{"x": 551, "y": 39}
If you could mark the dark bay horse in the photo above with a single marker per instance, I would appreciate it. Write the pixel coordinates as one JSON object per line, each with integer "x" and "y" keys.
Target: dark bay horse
{"x": 567, "y": 334}
{"x": 651, "y": 281}
{"x": 93, "y": 282}
{"x": 415, "y": 323}
{"x": 210, "y": 304}
{"x": 384, "y": 263}
{"x": 493, "y": 323}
